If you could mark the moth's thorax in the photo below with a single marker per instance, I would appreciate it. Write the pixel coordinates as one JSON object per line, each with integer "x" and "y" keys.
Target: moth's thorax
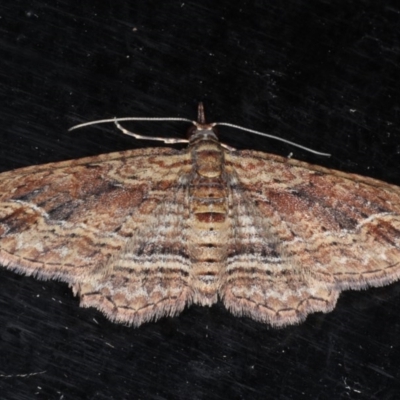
{"x": 209, "y": 222}
{"x": 207, "y": 154}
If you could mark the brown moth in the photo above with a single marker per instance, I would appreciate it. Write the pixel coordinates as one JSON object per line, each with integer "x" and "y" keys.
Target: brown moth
{"x": 141, "y": 234}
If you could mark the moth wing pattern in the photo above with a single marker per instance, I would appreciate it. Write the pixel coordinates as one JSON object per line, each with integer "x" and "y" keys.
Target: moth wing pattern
{"x": 79, "y": 221}
{"x": 316, "y": 232}
{"x": 141, "y": 234}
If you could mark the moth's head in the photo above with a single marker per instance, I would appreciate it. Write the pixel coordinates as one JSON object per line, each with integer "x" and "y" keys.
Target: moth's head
{"x": 206, "y": 130}
{"x": 201, "y": 127}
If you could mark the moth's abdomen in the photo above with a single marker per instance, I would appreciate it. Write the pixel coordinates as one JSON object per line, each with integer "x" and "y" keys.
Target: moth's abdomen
{"x": 209, "y": 224}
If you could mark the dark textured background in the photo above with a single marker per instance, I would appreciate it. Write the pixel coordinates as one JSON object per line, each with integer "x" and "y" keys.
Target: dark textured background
{"x": 322, "y": 73}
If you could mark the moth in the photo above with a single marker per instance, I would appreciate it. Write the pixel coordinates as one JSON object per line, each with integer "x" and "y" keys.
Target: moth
{"x": 141, "y": 234}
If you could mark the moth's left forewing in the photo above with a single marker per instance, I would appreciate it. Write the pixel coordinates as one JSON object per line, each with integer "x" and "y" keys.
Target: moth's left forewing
{"x": 62, "y": 220}
{"x": 336, "y": 231}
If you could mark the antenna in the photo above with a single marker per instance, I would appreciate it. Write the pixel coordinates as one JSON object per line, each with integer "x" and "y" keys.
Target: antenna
{"x": 201, "y": 122}
{"x": 273, "y": 137}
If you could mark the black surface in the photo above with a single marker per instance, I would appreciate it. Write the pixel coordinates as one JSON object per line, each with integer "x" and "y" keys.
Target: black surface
{"x": 322, "y": 73}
